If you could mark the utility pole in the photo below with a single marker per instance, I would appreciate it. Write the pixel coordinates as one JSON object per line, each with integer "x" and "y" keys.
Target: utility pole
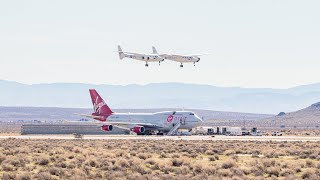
{"x": 244, "y": 122}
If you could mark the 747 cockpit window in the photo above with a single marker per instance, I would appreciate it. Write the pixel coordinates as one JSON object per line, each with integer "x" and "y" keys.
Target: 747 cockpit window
{"x": 191, "y": 114}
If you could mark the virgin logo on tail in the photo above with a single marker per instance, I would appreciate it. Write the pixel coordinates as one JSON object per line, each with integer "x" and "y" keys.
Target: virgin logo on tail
{"x": 97, "y": 106}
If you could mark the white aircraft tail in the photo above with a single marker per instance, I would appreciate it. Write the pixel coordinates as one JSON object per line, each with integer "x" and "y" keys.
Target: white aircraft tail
{"x": 121, "y": 55}
{"x": 154, "y": 51}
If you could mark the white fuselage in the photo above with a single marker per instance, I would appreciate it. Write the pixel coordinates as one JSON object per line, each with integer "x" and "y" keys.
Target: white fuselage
{"x": 182, "y": 59}
{"x": 143, "y": 57}
{"x": 164, "y": 121}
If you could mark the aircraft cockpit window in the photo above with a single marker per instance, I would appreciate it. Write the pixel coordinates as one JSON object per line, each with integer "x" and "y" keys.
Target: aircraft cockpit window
{"x": 191, "y": 114}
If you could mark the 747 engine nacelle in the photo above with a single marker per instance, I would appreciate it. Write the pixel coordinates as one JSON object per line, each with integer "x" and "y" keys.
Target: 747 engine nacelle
{"x": 139, "y": 129}
{"x": 107, "y": 127}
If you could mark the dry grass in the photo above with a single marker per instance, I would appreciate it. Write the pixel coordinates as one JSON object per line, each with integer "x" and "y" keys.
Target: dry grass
{"x": 146, "y": 159}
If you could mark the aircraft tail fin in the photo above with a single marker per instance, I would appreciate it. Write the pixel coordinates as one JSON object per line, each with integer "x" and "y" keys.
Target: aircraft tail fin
{"x": 121, "y": 55}
{"x": 99, "y": 106}
{"x": 154, "y": 51}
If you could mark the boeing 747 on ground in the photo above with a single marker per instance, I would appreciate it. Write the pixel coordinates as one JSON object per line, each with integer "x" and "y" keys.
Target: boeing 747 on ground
{"x": 167, "y": 122}
{"x": 141, "y": 57}
{"x": 179, "y": 58}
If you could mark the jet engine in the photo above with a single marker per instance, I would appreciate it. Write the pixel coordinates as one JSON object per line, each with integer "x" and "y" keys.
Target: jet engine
{"x": 139, "y": 129}
{"x": 106, "y": 127}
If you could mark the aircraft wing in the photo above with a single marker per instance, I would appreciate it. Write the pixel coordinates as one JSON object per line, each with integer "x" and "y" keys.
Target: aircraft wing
{"x": 146, "y": 125}
{"x": 196, "y": 55}
{"x": 88, "y": 115}
{"x": 128, "y": 52}
{"x": 184, "y": 55}
{"x": 119, "y": 124}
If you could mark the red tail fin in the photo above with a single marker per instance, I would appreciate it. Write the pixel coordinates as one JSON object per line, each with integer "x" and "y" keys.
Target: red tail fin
{"x": 99, "y": 106}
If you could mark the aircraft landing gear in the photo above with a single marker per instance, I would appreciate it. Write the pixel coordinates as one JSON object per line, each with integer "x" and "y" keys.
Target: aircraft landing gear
{"x": 181, "y": 65}
{"x": 159, "y": 63}
{"x": 147, "y": 65}
{"x": 194, "y": 64}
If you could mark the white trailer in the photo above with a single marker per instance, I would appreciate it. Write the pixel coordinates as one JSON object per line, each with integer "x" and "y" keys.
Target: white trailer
{"x": 203, "y": 130}
{"x": 234, "y": 131}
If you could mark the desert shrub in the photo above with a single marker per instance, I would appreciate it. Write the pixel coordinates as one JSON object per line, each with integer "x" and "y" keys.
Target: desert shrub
{"x": 183, "y": 170}
{"x": 163, "y": 155}
{"x": 237, "y": 172}
{"x": 139, "y": 169}
{"x": 122, "y": 163}
{"x": 271, "y": 154}
{"x": 268, "y": 162}
{"x": 257, "y": 171}
{"x": 175, "y": 155}
{"x": 193, "y": 155}
{"x": 43, "y": 161}
{"x": 77, "y": 150}
{"x": 209, "y": 152}
{"x": 197, "y": 168}
{"x": 15, "y": 161}
{"x": 209, "y": 170}
{"x": 165, "y": 167}
{"x": 297, "y": 169}
{"x": 245, "y": 170}
{"x": 92, "y": 162}
{"x": 135, "y": 176}
{"x": 142, "y": 156}
{"x": 228, "y": 164}
{"x": 273, "y": 171}
{"x": 307, "y": 175}
{"x": 176, "y": 162}
{"x": 2, "y": 158}
{"x": 55, "y": 171}
{"x": 121, "y": 153}
{"x": 116, "y": 175}
{"x": 23, "y": 176}
{"x": 229, "y": 152}
{"x": 309, "y": 163}
{"x": 212, "y": 158}
{"x": 7, "y": 167}
{"x": 43, "y": 176}
{"x": 151, "y": 161}
{"x": 286, "y": 172}
{"x": 224, "y": 172}
{"x": 8, "y": 176}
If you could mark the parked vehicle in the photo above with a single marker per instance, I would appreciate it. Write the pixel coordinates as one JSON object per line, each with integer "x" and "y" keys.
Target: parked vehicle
{"x": 276, "y": 133}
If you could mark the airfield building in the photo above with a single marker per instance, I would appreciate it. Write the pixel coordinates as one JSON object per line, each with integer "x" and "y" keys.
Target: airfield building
{"x": 88, "y": 129}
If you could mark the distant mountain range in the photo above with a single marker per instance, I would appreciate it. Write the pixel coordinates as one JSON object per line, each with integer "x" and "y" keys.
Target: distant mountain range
{"x": 307, "y": 117}
{"x": 50, "y": 114}
{"x": 161, "y": 95}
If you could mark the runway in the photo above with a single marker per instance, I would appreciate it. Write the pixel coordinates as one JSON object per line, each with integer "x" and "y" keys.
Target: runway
{"x": 188, "y": 138}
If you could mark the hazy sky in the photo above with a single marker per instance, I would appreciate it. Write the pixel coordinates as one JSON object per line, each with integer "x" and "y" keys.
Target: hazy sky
{"x": 252, "y": 43}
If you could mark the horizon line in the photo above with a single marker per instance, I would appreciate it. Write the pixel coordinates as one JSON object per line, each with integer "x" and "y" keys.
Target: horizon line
{"x": 172, "y": 82}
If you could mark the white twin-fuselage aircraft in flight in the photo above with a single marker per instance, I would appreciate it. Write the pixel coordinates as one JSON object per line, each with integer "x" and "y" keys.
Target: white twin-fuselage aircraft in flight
{"x": 142, "y": 123}
{"x": 156, "y": 57}
{"x": 141, "y": 57}
{"x": 179, "y": 58}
